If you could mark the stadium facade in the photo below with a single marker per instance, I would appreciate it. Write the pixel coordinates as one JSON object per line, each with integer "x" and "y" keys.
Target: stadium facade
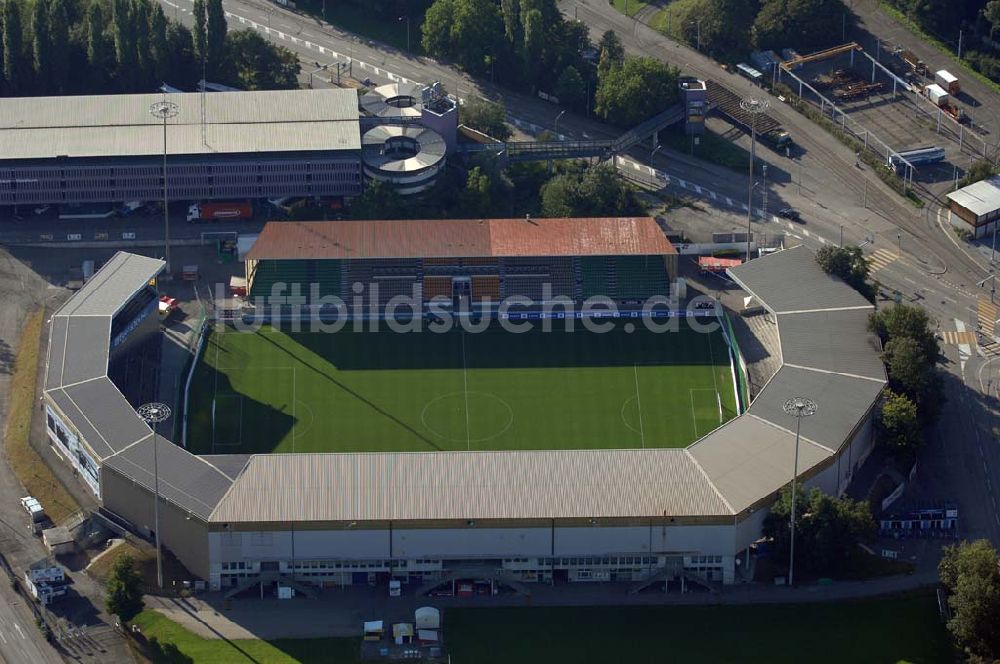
{"x": 635, "y": 515}
{"x": 244, "y": 145}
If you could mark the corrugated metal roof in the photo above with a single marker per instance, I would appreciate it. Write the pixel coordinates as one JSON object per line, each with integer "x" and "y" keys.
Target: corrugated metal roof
{"x": 469, "y": 485}
{"x": 841, "y": 401}
{"x": 121, "y": 125}
{"x": 836, "y": 341}
{"x": 980, "y": 198}
{"x": 185, "y": 479}
{"x": 791, "y": 280}
{"x": 748, "y": 459}
{"x": 457, "y": 238}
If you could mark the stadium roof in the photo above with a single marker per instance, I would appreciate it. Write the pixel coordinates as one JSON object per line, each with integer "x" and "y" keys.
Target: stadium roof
{"x": 827, "y": 355}
{"x": 122, "y": 126}
{"x": 461, "y": 238}
{"x": 469, "y": 485}
{"x": 188, "y": 481}
{"x": 790, "y": 281}
{"x": 979, "y": 198}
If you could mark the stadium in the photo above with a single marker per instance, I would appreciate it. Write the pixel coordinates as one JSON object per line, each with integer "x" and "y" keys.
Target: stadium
{"x": 355, "y": 455}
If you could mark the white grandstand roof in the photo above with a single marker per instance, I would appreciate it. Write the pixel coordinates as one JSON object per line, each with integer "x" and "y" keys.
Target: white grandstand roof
{"x": 122, "y": 126}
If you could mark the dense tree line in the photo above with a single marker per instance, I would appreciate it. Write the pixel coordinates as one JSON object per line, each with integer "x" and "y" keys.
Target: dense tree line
{"x": 911, "y": 352}
{"x": 978, "y": 21}
{"x": 731, "y": 28}
{"x": 104, "y": 46}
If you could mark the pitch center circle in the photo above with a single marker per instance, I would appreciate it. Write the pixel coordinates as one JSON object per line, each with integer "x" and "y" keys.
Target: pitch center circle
{"x": 489, "y": 417}
{"x": 630, "y": 411}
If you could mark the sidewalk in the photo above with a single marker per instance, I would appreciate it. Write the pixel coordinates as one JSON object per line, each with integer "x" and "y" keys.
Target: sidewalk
{"x": 341, "y": 612}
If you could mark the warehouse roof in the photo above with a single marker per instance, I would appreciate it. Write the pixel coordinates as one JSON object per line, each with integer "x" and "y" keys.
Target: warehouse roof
{"x": 790, "y": 280}
{"x": 122, "y": 126}
{"x": 469, "y": 485}
{"x": 461, "y": 238}
{"x": 980, "y": 198}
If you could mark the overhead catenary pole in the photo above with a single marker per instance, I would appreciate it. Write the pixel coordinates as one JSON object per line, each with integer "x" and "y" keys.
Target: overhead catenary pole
{"x": 165, "y": 109}
{"x": 153, "y": 413}
{"x": 754, "y": 107}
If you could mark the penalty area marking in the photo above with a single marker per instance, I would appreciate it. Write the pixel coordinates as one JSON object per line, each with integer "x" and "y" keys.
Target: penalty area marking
{"x": 694, "y": 417}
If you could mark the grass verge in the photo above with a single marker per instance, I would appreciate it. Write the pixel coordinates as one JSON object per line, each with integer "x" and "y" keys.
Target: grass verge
{"x": 628, "y": 7}
{"x": 165, "y": 642}
{"x": 918, "y": 32}
{"x": 144, "y": 556}
{"x": 31, "y": 470}
{"x": 711, "y": 147}
{"x": 903, "y": 628}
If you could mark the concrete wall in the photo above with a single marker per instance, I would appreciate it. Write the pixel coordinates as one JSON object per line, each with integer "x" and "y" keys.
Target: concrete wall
{"x": 186, "y": 538}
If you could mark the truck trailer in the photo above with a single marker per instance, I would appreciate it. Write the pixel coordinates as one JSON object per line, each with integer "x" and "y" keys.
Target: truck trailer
{"x": 220, "y": 210}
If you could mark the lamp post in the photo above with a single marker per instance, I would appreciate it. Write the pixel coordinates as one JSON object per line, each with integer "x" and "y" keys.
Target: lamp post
{"x": 320, "y": 68}
{"x": 754, "y": 107}
{"x": 556, "y": 125}
{"x": 797, "y": 407}
{"x": 163, "y": 110}
{"x": 407, "y": 19}
{"x": 652, "y": 153}
{"x": 697, "y": 24}
{"x": 153, "y": 413}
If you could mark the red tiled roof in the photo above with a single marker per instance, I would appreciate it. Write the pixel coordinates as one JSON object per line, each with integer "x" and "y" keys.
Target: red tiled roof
{"x": 460, "y": 238}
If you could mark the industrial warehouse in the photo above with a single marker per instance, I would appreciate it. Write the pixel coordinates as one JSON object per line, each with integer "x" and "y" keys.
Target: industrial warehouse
{"x": 636, "y": 515}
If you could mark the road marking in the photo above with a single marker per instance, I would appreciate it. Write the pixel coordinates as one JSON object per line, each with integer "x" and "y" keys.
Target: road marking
{"x": 881, "y": 259}
{"x": 3, "y": 638}
{"x": 956, "y": 338}
{"x": 18, "y": 628}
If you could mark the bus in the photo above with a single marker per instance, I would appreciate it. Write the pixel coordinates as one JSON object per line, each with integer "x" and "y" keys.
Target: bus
{"x": 749, "y": 72}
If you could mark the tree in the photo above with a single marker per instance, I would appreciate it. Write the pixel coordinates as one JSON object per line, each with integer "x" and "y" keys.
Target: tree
{"x": 126, "y": 55}
{"x": 971, "y": 573}
{"x": 59, "y": 43}
{"x": 903, "y": 320}
{"x": 215, "y": 38}
{"x": 801, "y": 24}
{"x": 611, "y": 50}
{"x": 200, "y": 31}
{"x": 259, "y": 65}
{"x": 485, "y": 116}
{"x": 908, "y": 367}
{"x": 636, "y": 91}
{"x": 980, "y": 170}
{"x": 721, "y": 26}
{"x": 124, "y": 592}
{"x": 100, "y": 50}
{"x": 827, "y": 530}
{"x": 143, "y": 50}
{"x": 477, "y": 197}
{"x": 436, "y": 30}
{"x": 41, "y": 45}
{"x": 571, "y": 89}
{"x": 898, "y": 424}
{"x": 992, "y": 13}
{"x": 511, "y": 11}
{"x": 595, "y": 192}
{"x": 183, "y": 69}
{"x": 378, "y": 201}
{"x": 15, "y": 64}
{"x": 847, "y": 263}
{"x": 159, "y": 45}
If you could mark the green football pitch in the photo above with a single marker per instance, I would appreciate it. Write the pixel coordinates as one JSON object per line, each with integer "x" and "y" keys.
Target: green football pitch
{"x": 276, "y": 391}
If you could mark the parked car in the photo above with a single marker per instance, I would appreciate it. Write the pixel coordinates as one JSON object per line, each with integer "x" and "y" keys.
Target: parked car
{"x": 42, "y": 209}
